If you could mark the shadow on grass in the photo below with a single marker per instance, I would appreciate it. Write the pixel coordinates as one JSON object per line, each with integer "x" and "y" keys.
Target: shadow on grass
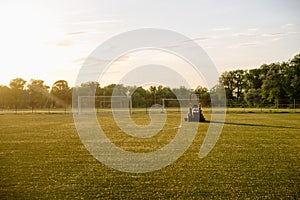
{"x": 254, "y": 125}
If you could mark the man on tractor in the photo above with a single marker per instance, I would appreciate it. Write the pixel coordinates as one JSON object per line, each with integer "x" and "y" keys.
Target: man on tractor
{"x": 195, "y": 114}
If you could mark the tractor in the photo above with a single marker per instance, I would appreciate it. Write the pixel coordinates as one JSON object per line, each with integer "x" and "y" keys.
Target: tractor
{"x": 195, "y": 114}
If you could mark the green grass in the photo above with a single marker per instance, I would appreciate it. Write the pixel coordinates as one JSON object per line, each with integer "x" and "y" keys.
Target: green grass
{"x": 257, "y": 156}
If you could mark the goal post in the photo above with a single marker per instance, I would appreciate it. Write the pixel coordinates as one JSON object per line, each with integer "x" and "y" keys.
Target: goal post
{"x": 92, "y": 104}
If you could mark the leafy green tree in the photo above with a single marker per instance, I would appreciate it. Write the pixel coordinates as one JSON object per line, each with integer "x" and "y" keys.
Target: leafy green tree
{"x": 88, "y": 89}
{"x": 253, "y": 97}
{"x": 38, "y": 93}
{"x": 139, "y": 97}
{"x": 120, "y": 90}
{"x": 169, "y": 94}
{"x": 227, "y": 80}
{"x": 273, "y": 88}
{"x": 161, "y": 93}
{"x": 153, "y": 90}
{"x": 239, "y": 83}
{"x": 18, "y": 92}
{"x": 234, "y": 84}
{"x": 204, "y": 95}
{"x": 292, "y": 75}
{"x": 217, "y": 94}
{"x": 254, "y": 79}
{"x": 182, "y": 92}
{"x": 108, "y": 90}
{"x": 5, "y": 96}
{"x": 17, "y": 83}
{"x": 61, "y": 94}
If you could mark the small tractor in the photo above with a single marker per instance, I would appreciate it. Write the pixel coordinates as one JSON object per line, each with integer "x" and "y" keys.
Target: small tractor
{"x": 195, "y": 114}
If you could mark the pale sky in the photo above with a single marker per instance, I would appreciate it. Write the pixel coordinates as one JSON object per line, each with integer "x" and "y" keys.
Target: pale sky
{"x": 49, "y": 40}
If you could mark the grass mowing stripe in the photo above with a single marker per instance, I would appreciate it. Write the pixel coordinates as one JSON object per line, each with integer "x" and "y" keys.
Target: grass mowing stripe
{"x": 257, "y": 156}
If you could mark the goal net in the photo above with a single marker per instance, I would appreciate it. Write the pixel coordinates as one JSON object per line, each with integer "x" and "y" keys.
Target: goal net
{"x": 104, "y": 104}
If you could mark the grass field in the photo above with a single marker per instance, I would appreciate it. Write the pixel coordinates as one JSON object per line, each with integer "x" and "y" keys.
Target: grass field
{"x": 257, "y": 156}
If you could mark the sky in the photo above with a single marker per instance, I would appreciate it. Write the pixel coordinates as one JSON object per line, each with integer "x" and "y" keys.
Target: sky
{"x": 50, "y": 40}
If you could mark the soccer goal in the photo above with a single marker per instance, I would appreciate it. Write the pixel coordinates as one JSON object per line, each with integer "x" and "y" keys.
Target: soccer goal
{"x": 178, "y": 105}
{"x": 104, "y": 104}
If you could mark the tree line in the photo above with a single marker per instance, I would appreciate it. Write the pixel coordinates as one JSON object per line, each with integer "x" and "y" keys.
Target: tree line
{"x": 275, "y": 83}
{"x": 36, "y": 94}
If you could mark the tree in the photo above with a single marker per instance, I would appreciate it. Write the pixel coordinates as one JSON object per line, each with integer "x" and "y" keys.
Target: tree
{"x": 169, "y": 94}
{"x": 234, "y": 84}
{"x": 253, "y": 97}
{"x": 239, "y": 83}
{"x": 38, "y": 93}
{"x": 292, "y": 75}
{"x": 18, "y": 95}
{"x": 217, "y": 94}
{"x": 89, "y": 88}
{"x": 182, "y": 92}
{"x": 204, "y": 95}
{"x": 227, "y": 80}
{"x": 152, "y": 90}
{"x": 17, "y": 83}
{"x": 108, "y": 90}
{"x": 160, "y": 93}
{"x": 5, "y": 97}
{"x": 139, "y": 97}
{"x": 253, "y": 79}
{"x": 273, "y": 88}
{"x": 120, "y": 90}
{"x": 61, "y": 93}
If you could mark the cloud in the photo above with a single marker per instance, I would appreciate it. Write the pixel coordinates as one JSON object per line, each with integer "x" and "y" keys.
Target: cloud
{"x": 79, "y": 60}
{"x": 222, "y": 29}
{"x": 250, "y": 32}
{"x": 287, "y": 25}
{"x": 185, "y": 42}
{"x": 76, "y": 33}
{"x": 123, "y": 58}
{"x": 280, "y": 34}
{"x": 249, "y": 44}
{"x": 209, "y": 46}
{"x": 252, "y": 29}
{"x": 246, "y": 44}
{"x": 201, "y": 39}
{"x": 293, "y": 33}
{"x": 244, "y": 34}
{"x": 273, "y": 34}
{"x": 97, "y": 22}
{"x": 63, "y": 44}
{"x": 276, "y": 39}
{"x": 90, "y": 61}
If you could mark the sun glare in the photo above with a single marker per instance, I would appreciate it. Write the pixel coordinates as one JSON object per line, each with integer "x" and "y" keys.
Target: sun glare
{"x": 28, "y": 36}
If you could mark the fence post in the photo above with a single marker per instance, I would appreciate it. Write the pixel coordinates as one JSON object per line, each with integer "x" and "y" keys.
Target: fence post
{"x": 78, "y": 105}
{"x": 261, "y": 108}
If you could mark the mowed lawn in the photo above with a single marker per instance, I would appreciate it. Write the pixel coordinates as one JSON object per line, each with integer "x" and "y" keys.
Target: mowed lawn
{"x": 257, "y": 156}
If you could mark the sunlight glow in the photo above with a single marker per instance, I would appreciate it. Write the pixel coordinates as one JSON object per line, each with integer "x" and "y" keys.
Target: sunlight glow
{"x": 48, "y": 40}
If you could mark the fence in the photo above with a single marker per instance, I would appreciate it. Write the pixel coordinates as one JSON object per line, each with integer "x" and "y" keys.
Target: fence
{"x": 232, "y": 108}
{"x": 67, "y": 110}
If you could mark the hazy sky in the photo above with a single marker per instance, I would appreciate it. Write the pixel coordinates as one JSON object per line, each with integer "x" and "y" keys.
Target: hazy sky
{"x": 50, "y": 39}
